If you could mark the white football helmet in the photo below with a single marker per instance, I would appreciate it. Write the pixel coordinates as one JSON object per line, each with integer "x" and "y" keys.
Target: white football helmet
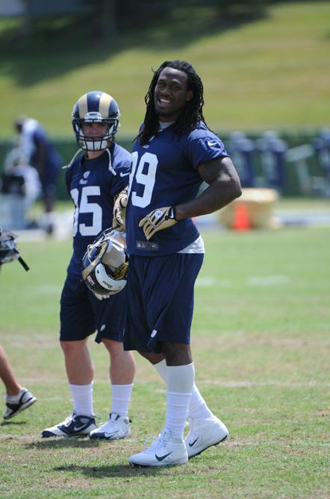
{"x": 104, "y": 265}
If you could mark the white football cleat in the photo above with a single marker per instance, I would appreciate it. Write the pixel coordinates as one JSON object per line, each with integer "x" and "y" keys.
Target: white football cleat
{"x": 74, "y": 426}
{"x": 166, "y": 450}
{"x": 114, "y": 428}
{"x": 203, "y": 434}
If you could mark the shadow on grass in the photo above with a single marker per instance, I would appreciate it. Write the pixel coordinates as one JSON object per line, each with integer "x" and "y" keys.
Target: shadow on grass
{"x": 13, "y": 423}
{"x": 62, "y": 443}
{"x": 115, "y": 471}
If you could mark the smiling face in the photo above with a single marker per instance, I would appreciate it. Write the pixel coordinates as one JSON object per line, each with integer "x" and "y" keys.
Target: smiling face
{"x": 95, "y": 129}
{"x": 171, "y": 94}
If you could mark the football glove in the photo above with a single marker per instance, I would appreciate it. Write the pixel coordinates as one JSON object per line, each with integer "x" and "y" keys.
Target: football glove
{"x": 159, "y": 219}
{"x": 119, "y": 209}
{"x": 104, "y": 265}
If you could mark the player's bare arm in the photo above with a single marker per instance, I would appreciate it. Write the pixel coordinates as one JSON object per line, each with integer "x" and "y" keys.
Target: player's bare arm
{"x": 224, "y": 187}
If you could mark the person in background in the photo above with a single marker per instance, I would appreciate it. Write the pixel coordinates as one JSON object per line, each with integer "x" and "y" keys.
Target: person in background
{"x": 40, "y": 152}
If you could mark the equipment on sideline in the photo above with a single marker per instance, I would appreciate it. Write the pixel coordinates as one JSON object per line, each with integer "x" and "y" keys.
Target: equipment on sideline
{"x": 95, "y": 107}
{"x": 104, "y": 264}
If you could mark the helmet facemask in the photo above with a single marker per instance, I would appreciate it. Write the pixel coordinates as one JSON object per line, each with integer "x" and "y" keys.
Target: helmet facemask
{"x": 94, "y": 143}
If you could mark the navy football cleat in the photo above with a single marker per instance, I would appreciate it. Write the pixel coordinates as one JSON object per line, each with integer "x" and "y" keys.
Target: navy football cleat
{"x": 73, "y": 426}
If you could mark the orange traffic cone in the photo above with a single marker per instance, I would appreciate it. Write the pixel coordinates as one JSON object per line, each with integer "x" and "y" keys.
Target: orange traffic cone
{"x": 241, "y": 217}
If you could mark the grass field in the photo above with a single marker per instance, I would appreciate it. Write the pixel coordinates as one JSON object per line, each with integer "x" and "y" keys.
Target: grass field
{"x": 261, "y": 348}
{"x": 269, "y": 73}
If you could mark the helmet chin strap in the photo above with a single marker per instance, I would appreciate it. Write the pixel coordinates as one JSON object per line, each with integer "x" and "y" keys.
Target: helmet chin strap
{"x": 110, "y": 164}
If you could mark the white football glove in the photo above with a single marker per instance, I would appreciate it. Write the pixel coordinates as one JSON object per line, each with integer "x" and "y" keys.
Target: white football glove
{"x": 159, "y": 219}
{"x": 119, "y": 209}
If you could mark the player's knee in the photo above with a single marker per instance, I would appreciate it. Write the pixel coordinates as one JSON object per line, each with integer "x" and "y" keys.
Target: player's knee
{"x": 72, "y": 347}
{"x": 113, "y": 347}
{"x": 177, "y": 354}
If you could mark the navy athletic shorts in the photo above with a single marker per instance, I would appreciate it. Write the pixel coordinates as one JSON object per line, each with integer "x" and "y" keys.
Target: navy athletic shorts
{"x": 160, "y": 300}
{"x": 82, "y": 313}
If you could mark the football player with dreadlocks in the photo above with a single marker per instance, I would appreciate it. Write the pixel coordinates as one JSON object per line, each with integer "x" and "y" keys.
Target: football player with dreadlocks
{"x": 174, "y": 153}
{"x": 96, "y": 177}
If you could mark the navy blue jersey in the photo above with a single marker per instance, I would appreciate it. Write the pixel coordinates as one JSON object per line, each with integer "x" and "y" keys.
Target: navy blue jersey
{"x": 92, "y": 184}
{"x": 164, "y": 173}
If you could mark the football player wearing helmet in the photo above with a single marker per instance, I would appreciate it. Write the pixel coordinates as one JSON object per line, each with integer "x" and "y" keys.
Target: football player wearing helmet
{"x": 173, "y": 154}
{"x": 97, "y": 174}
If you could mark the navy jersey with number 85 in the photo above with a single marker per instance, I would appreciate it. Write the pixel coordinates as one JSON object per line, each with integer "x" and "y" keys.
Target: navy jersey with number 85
{"x": 93, "y": 184}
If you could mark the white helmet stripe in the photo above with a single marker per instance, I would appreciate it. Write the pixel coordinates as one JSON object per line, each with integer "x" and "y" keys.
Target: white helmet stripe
{"x": 104, "y": 105}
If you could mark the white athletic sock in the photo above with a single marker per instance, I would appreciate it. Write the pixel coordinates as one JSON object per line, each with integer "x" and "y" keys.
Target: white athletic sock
{"x": 161, "y": 368}
{"x": 121, "y": 397}
{"x": 14, "y": 398}
{"x": 197, "y": 407}
{"x": 180, "y": 380}
{"x": 82, "y": 399}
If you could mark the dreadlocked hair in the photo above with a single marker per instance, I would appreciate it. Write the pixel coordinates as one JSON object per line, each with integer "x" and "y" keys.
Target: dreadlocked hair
{"x": 192, "y": 112}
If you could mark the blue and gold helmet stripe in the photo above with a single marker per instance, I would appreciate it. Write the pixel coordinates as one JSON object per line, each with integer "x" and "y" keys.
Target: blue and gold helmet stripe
{"x": 82, "y": 106}
{"x": 93, "y": 101}
{"x": 96, "y": 102}
{"x": 104, "y": 106}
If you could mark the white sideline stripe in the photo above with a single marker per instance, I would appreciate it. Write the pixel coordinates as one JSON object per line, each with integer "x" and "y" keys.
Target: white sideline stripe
{"x": 205, "y": 282}
{"x": 53, "y": 399}
{"x": 270, "y": 280}
{"x": 48, "y": 289}
{"x": 282, "y": 384}
{"x": 218, "y": 382}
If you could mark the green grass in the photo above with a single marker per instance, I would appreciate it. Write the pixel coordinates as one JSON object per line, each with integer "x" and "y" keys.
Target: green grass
{"x": 269, "y": 73}
{"x": 261, "y": 348}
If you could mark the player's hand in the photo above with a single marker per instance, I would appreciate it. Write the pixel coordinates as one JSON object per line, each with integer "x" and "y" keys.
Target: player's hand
{"x": 119, "y": 208}
{"x": 159, "y": 219}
